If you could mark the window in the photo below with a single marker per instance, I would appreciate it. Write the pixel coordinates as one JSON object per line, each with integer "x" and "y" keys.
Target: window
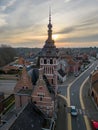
{"x": 41, "y": 61}
{"x": 35, "y": 102}
{"x": 52, "y": 81}
{"x": 51, "y": 61}
{"x": 41, "y": 94}
{"x": 40, "y": 98}
{"x": 45, "y": 61}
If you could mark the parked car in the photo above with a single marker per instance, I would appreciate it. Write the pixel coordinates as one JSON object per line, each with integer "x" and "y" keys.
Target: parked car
{"x": 94, "y": 124}
{"x": 74, "y": 111}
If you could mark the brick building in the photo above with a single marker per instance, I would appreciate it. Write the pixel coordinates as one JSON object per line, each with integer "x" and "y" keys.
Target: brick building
{"x": 94, "y": 86}
{"x": 43, "y": 93}
{"x": 23, "y": 89}
{"x": 49, "y": 58}
{"x": 42, "y": 97}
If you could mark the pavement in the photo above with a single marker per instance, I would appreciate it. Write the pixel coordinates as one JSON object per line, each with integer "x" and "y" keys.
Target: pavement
{"x": 92, "y": 109}
{"x": 62, "y": 88}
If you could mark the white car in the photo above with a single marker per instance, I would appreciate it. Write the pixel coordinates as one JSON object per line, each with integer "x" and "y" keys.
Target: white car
{"x": 74, "y": 111}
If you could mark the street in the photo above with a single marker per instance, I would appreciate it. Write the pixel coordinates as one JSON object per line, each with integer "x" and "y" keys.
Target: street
{"x": 79, "y": 123}
{"x": 72, "y": 94}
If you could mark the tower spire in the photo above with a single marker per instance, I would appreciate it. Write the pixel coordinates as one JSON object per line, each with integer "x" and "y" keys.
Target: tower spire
{"x": 49, "y": 26}
{"x": 49, "y": 15}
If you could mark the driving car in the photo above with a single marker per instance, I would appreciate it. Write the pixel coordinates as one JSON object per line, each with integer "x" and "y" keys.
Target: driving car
{"x": 74, "y": 111}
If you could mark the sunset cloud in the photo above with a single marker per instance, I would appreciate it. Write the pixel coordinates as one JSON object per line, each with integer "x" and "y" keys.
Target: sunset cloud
{"x": 24, "y": 22}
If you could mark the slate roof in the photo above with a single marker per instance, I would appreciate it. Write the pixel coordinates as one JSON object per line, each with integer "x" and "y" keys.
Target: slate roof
{"x": 29, "y": 119}
{"x": 61, "y": 72}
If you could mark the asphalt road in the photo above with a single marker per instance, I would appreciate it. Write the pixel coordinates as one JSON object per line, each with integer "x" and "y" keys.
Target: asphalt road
{"x": 78, "y": 122}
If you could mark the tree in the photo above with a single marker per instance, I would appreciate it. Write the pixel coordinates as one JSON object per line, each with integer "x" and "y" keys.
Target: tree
{"x": 7, "y": 54}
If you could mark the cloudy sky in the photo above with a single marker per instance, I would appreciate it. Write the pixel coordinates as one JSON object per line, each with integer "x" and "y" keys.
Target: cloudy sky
{"x": 23, "y": 23}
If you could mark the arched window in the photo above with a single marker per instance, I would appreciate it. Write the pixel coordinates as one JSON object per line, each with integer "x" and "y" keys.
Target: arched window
{"x": 51, "y": 61}
{"x": 45, "y": 61}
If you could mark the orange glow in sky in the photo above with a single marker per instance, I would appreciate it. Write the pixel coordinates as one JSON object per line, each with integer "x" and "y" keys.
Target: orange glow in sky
{"x": 24, "y": 23}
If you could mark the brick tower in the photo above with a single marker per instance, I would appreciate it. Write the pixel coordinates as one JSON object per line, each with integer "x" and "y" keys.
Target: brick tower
{"x": 49, "y": 58}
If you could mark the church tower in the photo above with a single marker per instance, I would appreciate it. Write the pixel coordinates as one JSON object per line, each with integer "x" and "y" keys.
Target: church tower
{"x": 49, "y": 58}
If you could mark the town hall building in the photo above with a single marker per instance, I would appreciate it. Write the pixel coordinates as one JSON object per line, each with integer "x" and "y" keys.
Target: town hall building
{"x": 43, "y": 93}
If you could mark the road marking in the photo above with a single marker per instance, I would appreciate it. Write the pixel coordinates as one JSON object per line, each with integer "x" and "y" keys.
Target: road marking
{"x": 82, "y": 105}
{"x": 68, "y": 98}
{"x": 68, "y": 101}
{"x": 63, "y": 97}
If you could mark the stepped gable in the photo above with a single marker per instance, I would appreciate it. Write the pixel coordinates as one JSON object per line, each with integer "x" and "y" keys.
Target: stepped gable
{"x": 41, "y": 84}
{"x": 24, "y": 82}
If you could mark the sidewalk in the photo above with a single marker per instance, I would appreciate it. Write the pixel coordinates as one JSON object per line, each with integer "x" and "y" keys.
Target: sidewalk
{"x": 68, "y": 80}
{"x": 61, "y": 122}
{"x": 62, "y": 88}
{"x": 9, "y": 118}
{"x": 89, "y": 103}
